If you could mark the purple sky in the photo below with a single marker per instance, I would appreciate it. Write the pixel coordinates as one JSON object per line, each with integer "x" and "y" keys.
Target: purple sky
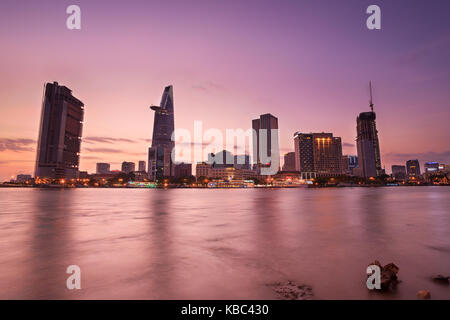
{"x": 306, "y": 62}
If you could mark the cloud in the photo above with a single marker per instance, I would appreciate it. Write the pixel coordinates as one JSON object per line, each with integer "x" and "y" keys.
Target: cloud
{"x": 348, "y": 144}
{"x": 109, "y": 140}
{"x": 102, "y": 150}
{"x": 108, "y": 150}
{"x": 17, "y": 145}
{"x": 443, "y": 157}
{"x": 208, "y": 85}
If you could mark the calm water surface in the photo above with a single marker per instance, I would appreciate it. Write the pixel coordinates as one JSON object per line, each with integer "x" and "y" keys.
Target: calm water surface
{"x": 220, "y": 244}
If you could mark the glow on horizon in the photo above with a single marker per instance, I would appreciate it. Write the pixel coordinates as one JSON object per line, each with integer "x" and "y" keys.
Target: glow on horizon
{"x": 307, "y": 63}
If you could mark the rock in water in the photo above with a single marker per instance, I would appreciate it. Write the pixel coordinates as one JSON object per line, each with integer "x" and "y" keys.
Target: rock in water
{"x": 388, "y": 275}
{"x": 292, "y": 291}
{"x": 441, "y": 279}
{"x": 424, "y": 294}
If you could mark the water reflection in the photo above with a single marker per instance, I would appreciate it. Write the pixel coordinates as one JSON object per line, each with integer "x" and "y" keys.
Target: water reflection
{"x": 220, "y": 244}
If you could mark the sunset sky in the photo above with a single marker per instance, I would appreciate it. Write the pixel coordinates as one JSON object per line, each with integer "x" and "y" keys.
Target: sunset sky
{"x": 306, "y": 62}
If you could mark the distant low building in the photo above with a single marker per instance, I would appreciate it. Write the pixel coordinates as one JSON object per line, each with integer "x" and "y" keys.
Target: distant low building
{"x": 183, "y": 170}
{"x": 103, "y": 167}
{"x": 128, "y": 167}
{"x": 202, "y": 169}
{"x": 399, "y": 172}
{"x": 242, "y": 161}
{"x": 431, "y": 167}
{"x": 222, "y": 159}
{"x": 141, "y": 166}
{"x": 24, "y": 178}
{"x": 289, "y": 161}
{"x": 413, "y": 169}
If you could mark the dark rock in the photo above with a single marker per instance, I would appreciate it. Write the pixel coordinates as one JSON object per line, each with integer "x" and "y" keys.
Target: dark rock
{"x": 389, "y": 279}
{"x": 424, "y": 294}
{"x": 441, "y": 279}
{"x": 292, "y": 291}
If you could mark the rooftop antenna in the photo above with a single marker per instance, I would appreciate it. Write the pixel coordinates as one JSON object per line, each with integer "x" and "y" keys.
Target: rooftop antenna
{"x": 371, "y": 102}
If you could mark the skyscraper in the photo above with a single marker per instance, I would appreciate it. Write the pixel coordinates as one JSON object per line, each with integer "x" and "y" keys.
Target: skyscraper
{"x": 159, "y": 154}
{"x": 318, "y": 154}
{"x": 263, "y": 130}
{"x": 58, "y": 149}
{"x": 367, "y": 143}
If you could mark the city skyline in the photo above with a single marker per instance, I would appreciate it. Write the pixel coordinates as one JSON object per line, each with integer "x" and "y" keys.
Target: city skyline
{"x": 226, "y": 75}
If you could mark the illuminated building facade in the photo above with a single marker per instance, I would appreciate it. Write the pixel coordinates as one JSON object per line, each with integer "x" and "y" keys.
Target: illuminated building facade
{"x": 413, "y": 169}
{"x": 318, "y": 154}
{"x": 58, "y": 149}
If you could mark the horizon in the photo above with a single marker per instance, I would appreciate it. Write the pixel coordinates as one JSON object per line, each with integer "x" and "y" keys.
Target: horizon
{"x": 317, "y": 82}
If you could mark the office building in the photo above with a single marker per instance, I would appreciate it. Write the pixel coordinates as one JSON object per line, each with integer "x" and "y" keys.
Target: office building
{"x": 221, "y": 159}
{"x": 202, "y": 169}
{"x": 264, "y": 141}
{"x": 289, "y": 161}
{"x": 183, "y": 170}
{"x": 318, "y": 154}
{"x": 128, "y": 167}
{"x": 103, "y": 168}
{"x": 413, "y": 169}
{"x": 431, "y": 167}
{"x": 160, "y": 164}
{"x": 242, "y": 161}
{"x": 141, "y": 166}
{"x": 399, "y": 172}
{"x": 58, "y": 148}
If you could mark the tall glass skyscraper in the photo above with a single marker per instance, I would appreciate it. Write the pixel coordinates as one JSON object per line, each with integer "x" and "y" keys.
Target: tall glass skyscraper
{"x": 159, "y": 154}
{"x": 58, "y": 150}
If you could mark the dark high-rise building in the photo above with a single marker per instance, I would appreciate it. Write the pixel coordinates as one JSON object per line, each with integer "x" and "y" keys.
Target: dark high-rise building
{"x": 318, "y": 154}
{"x": 367, "y": 143}
{"x": 160, "y": 163}
{"x": 103, "y": 168}
{"x": 58, "y": 149}
{"x": 289, "y": 161}
{"x": 413, "y": 168}
{"x": 262, "y": 128}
